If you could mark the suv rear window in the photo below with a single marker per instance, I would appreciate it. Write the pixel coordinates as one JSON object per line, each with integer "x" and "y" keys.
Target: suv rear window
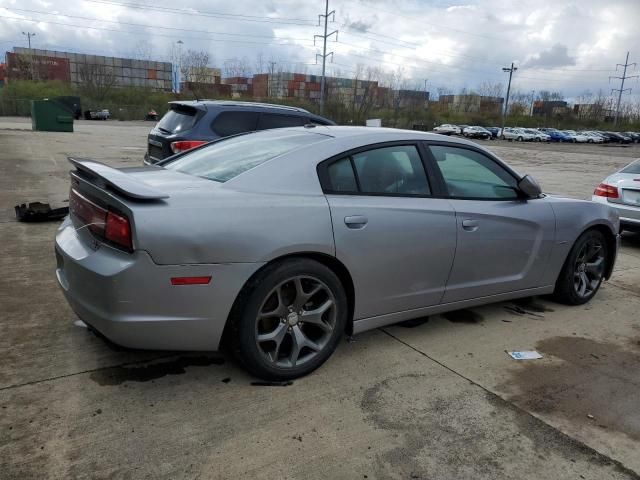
{"x": 227, "y": 158}
{"x": 178, "y": 119}
{"x": 232, "y": 123}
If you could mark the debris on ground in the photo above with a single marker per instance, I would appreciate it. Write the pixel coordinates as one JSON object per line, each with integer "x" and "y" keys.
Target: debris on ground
{"x": 525, "y": 355}
{"x": 39, "y": 212}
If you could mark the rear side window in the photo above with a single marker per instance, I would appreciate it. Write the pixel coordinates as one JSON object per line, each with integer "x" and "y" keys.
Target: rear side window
{"x": 275, "y": 120}
{"x": 225, "y": 159}
{"x": 382, "y": 171}
{"x": 632, "y": 168}
{"x": 232, "y": 123}
{"x": 341, "y": 176}
{"x": 178, "y": 120}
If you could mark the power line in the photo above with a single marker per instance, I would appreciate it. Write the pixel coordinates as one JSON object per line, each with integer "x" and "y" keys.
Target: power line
{"x": 622, "y": 89}
{"x": 226, "y": 16}
{"x": 324, "y": 54}
{"x": 144, "y": 33}
{"x": 118, "y": 22}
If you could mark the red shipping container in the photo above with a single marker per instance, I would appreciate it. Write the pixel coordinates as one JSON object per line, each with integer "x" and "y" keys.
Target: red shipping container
{"x": 299, "y": 77}
{"x": 38, "y": 67}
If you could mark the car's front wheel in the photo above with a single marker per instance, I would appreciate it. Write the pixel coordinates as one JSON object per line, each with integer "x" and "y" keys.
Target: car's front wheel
{"x": 584, "y": 269}
{"x": 290, "y": 319}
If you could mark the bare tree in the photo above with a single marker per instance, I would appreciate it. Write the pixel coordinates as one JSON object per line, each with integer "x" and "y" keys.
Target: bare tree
{"x": 143, "y": 50}
{"x": 236, "y": 67}
{"x": 196, "y": 73}
{"x": 97, "y": 80}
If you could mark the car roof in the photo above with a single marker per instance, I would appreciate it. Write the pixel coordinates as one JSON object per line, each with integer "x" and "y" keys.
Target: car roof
{"x": 203, "y": 104}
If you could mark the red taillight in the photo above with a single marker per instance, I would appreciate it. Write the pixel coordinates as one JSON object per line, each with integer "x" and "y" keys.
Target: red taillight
{"x": 184, "y": 145}
{"x": 190, "y": 280}
{"x": 604, "y": 190}
{"x": 101, "y": 222}
{"x": 118, "y": 230}
{"x": 93, "y": 216}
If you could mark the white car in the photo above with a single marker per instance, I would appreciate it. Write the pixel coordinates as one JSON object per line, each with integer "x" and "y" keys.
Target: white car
{"x": 593, "y": 137}
{"x": 447, "y": 129}
{"x": 517, "y": 134}
{"x": 576, "y": 137}
{"x": 538, "y": 136}
{"x": 621, "y": 191}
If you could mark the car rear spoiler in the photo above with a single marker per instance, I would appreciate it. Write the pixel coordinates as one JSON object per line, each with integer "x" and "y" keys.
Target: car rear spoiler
{"x": 117, "y": 180}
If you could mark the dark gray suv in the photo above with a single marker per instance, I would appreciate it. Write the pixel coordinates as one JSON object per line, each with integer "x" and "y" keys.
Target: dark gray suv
{"x": 189, "y": 124}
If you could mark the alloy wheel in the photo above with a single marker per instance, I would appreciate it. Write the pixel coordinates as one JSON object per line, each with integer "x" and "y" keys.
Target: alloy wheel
{"x": 295, "y": 322}
{"x": 589, "y": 268}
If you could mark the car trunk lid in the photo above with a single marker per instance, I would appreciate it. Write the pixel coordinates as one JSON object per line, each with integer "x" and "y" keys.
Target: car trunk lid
{"x": 103, "y": 197}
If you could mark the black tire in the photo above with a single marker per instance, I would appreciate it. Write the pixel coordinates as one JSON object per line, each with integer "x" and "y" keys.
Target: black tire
{"x": 520, "y": 139}
{"x": 566, "y": 291}
{"x": 252, "y": 299}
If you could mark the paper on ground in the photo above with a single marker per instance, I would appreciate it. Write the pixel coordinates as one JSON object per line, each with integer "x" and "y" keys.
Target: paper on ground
{"x": 525, "y": 355}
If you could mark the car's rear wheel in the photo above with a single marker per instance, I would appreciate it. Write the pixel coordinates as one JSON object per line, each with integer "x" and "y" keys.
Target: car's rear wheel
{"x": 520, "y": 139}
{"x": 291, "y": 319}
{"x": 584, "y": 269}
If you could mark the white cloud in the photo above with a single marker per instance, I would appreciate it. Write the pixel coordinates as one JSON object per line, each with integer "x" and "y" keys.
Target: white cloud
{"x": 558, "y": 45}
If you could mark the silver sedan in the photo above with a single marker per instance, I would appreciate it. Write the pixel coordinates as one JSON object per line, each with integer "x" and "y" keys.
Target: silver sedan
{"x": 621, "y": 191}
{"x": 278, "y": 242}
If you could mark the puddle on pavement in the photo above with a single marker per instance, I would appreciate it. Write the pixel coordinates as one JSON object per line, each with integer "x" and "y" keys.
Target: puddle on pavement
{"x": 596, "y": 384}
{"x": 153, "y": 371}
{"x": 463, "y": 316}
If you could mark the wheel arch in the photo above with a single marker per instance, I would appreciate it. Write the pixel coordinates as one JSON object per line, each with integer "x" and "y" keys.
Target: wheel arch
{"x": 329, "y": 261}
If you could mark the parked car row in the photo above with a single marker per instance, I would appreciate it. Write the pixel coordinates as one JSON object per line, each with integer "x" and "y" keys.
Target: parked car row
{"x": 521, "y": 134}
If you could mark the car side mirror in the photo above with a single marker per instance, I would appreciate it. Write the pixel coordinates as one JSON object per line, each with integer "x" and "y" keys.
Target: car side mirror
{"x": 529, "y": 187}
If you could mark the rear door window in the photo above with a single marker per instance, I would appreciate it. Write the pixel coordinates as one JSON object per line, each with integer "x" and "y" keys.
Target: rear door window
{"x": 276, "y": 120}
{"x": 395, "y": 170}
{"x": 178, "y": 119}
{"x": 232, "y": 123}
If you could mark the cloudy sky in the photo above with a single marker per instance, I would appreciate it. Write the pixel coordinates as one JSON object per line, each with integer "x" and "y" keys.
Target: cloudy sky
{"x": 559, "y": 45}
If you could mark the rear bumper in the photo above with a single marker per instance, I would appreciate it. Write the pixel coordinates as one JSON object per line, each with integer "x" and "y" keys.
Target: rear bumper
{"x": 629, "y": 215}
{"x": 130, "y": 300}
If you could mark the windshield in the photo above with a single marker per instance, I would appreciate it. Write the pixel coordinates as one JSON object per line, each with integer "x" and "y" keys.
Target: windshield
{"x": 228, "y": 158}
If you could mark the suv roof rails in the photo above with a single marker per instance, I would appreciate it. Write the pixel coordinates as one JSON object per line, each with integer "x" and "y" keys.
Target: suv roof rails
{"x": 243, "y": 104}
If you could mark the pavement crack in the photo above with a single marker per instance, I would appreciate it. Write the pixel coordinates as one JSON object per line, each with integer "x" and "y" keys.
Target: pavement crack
{"x": 633, "y": 474}
{"x": 91, "y": 370}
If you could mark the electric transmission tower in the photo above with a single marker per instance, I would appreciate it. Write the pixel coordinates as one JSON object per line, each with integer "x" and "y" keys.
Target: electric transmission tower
{"x": 324, "y": 53}
{"x": 622, "y": 89}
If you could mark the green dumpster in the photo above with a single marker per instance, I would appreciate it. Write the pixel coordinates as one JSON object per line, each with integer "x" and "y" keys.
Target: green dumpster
{"x": 50, "y": 116}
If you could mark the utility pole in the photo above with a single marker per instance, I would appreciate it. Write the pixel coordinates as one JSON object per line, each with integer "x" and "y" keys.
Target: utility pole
{"x": 271, "y": 80}
{"x": 178, "y": 87}
{"x": 506, "y": 103}
{"x": 622, "y": 89}
{"x": 324, "y": 54}
{"x": 533, "y": 97}
{"x": 29, "y": 35}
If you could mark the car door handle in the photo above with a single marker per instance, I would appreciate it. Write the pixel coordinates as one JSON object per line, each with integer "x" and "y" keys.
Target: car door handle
{"x": 356, "y": 221}
{"x": 470, "y": 225}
